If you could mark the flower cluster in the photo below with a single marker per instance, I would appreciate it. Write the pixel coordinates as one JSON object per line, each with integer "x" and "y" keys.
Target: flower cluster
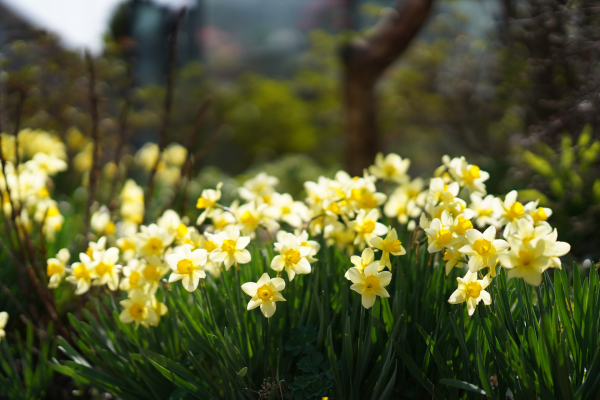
{"x": 460, "y": 220}
{"x": 456, "y": 198}
{"x": 26, "y": 179}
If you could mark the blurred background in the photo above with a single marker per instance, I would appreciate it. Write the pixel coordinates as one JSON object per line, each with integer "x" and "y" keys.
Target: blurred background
{"x": 300, "y": 87}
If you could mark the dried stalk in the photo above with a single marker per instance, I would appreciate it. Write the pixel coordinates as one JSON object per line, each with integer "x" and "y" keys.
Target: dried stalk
{"x": 95, "y": 173}
{"x": 162, "y": 133}
{"x": 190, "y": 164}
{"x": 189, "y": 143}
{"x": 123, "y": 128}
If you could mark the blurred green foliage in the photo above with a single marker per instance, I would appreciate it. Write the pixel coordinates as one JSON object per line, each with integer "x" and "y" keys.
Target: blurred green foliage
{"x": 567, "y": 180}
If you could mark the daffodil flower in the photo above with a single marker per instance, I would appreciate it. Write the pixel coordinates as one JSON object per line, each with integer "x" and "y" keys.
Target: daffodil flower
{"x": 371, "y": 284}
{"x": 3, "y": 321}
{"x": 483, "y": 248}
{"x": 292, "y": 257}
{"x": 265, "y": 293}
{"x": 81, "y": 274}
{"x": 105, "y": 270}
{"x": 526, "y": 260}
{"x": 232, "y": 249}
{"x": 56, "y": 268}
{"x": 207, "y": 201}
{"x": 138, "y": 309}
{"x": 152, "y": 240}
{"x": 366, "y": 258}
{"x": 471, "y": 291}
{"x": 187, "y": 266}
{"x": 389, "y": 245}
{"x": 390, "y": 168}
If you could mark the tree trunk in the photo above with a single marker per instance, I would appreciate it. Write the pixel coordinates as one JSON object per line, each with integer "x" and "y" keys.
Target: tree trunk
{"x": 365, "y": 61}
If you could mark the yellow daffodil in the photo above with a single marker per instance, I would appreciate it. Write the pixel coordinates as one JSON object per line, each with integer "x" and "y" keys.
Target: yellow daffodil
{"x": 389, "y": 245}
{"x": 265, "y": 293}
{"x": 471, "y": 291}
{"x": 371, "y": 284}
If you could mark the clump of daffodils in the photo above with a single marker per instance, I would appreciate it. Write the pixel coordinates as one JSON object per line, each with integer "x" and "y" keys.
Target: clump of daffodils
{"x": 465, "y": 229}
{"x": 457, "y": 202}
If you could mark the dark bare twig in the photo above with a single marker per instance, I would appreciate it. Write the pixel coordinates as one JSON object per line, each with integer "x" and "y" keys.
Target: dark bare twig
{"x": 197, "y": 156}
{"x": 162, "y": 133}
{"x": 189, "y": 143}
{"x": 123, "y": 128}
{"x": 95, "y": 172}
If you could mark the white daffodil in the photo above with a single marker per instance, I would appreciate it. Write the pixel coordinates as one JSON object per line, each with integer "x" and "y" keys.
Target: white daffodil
{"x": 314, "y": 246}
{"x": 56, "y": 268}
{"x": 483, "y": 209}
{"x": 152, "y": 240}
{"x": 126, "y": 247}
{"x": 439, "y": 233}
{"x": 554, "y": 249}
{"x": 207, "y": 202}
{"x": 366, "y": 258}
{"x": 3, "y": 322}
{"x": 509, "y": 211}
{"x": 525, "y": 261}
{"x": 371, "y": 284}
{"x": 285, "y": 209}
{"x": 390, "y": 168}
{"x": 292, "y": 257}
{"x": 259, "y": 188}
{"x": 539, "y": 215}
{"x": 367, "y": 227}
{"x": 453, "y": 259}
{"x": 187, "y": 266}
{"x": 401, "y": 206}
{"x": 101, "y": 222}
{"x": 250, "y": 216}
{"x": 389, "y": 245}
{"x": 265, "y": 293}
{"x": 105, "y": 270}
{"x": 232, "y": 248}
{"x": 483, "y": 248}
{"x": 133, "y": 275}
{"x": 472, "y": 291}
{"x": 138, "y": 309}
{"x": 81, "y": 274}
{"x": 468, "y": 175}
